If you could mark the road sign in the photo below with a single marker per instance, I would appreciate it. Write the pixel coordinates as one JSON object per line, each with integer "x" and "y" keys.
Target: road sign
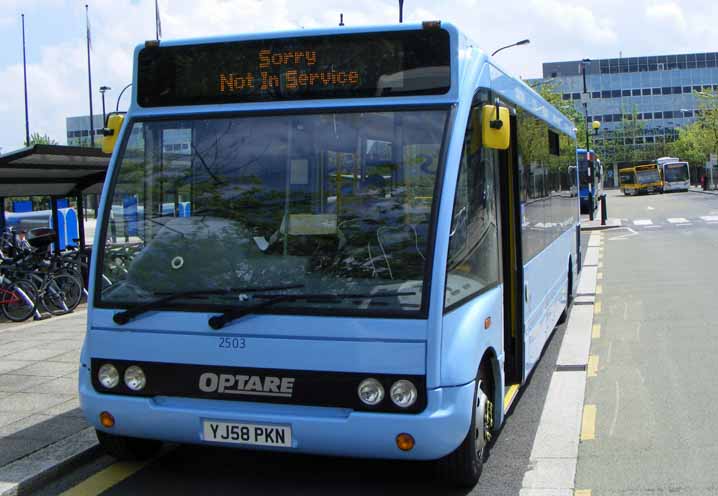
{"x": 713, "y": 159}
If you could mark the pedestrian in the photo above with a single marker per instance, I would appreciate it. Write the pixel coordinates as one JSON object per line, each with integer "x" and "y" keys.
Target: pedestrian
{"x": 703, "y": 182}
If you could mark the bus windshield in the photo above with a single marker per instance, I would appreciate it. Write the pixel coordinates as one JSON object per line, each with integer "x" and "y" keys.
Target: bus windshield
{"x": 627, "y": 177}
{"x": 676, "y": 172}
{"x": 648, "y": 176}
{"x": 327, "y": 203}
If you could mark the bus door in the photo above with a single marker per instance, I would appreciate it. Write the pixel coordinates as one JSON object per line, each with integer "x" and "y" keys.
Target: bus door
{"x": 511, "y": 203}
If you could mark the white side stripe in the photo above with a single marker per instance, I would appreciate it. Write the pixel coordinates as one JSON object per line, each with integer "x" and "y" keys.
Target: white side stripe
{"x": 642, "y": 222}
{"x": 678, "y": 220}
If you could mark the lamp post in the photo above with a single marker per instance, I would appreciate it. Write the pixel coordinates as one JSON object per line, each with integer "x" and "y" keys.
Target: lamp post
{"x": 401, "y": 11}
{"x": 518, "y": 43}
{"x": 584, "y": 64}
{"x": 102, "y": 92}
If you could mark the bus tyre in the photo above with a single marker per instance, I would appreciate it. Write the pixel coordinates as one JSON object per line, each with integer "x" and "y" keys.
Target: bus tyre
{"x": 569, "y": 295}
{"x": 463, "y": 466}
{"x": 128, "y": 448}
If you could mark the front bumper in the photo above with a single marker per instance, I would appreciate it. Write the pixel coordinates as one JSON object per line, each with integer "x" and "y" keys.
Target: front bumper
{"x": 438, "y": 430}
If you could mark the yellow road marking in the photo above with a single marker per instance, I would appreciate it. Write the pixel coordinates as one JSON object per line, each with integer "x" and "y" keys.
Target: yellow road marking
{"x": 582, "y": 492}
{"x": 596, "y": 332}
{"x": 592, "y": 369}
{"x": 597, "y": 308}
{"x": 588, "y": 423}
{"x": 105, "y": 479}
{"x": 510, "y": 395}
{"x": 599, "y": 275}
{"x": 599, "y": 289}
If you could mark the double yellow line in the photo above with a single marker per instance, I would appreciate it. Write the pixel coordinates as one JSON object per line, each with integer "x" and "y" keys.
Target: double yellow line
{"x": 106, "y": 478}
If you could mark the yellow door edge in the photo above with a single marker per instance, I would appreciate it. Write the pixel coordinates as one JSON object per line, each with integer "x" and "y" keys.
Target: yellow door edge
{"x": 510, "y": 396}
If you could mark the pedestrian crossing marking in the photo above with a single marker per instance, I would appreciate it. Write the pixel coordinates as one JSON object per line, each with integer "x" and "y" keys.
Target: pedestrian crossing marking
{"x": 678, "y": 220}
{"x": 642, "y": 222}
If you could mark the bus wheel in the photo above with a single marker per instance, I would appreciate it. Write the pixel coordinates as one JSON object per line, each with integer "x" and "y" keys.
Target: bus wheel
{"x": 463, "y": 466}
{"x": 569, "y": 294}
{"x": 128, "y": 448}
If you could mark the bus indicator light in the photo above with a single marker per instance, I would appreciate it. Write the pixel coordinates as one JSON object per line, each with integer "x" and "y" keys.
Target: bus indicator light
{"x": 107, "y": 420}
{"x": 405, "y": 442}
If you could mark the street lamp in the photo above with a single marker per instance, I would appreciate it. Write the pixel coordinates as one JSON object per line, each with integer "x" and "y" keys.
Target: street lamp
{"x": 518, "y": 43}
{"x": 584, "y": 98}
{"x": 401, "y": 11}
{"x": 102, "y": 92}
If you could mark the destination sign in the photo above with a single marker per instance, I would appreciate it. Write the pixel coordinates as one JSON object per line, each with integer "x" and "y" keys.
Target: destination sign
{"x": 396, "y": 63}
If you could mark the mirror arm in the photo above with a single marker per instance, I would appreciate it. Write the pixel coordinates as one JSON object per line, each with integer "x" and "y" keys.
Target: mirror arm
{"x": 496, "y": 123}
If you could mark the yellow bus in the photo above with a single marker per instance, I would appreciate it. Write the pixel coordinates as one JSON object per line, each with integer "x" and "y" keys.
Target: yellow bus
{"x": 641, "y": 179}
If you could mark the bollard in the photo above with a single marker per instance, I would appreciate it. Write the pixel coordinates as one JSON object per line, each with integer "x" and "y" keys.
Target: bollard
{"x": 604, "y": 210}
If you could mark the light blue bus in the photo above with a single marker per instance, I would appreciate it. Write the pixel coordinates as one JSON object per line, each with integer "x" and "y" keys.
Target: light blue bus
{"x": 381, "y": 239}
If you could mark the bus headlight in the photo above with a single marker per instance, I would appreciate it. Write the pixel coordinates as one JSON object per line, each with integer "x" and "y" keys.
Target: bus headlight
{"x": 403, "y": 393}
{"x": 135, "y": 378}
{"x": 371, "y": 392}
{"x": 108, "y": 376}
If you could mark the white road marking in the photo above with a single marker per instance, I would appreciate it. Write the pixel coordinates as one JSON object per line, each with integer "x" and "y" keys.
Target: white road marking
{"x": 678, "y": 220}
{"x": 650, "y": 208}
{"x": 615, "y": 410}
{"x": 644, "y": 222}
{"x": 654, "y": 227}
{"x": 631, "y": 233}
{"x": 710, "y": 218}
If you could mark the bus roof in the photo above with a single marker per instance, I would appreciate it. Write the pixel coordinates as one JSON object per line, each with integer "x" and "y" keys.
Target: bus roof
{"x": 468, "y": 65}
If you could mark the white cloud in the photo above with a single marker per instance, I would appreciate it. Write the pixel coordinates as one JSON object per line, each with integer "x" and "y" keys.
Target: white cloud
{"x": 558, "y": 29}
{"x": 667, "y": 13}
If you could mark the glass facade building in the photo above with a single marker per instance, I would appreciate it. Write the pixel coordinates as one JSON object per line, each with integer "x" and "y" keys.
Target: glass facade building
{"x": 659, "y": 91}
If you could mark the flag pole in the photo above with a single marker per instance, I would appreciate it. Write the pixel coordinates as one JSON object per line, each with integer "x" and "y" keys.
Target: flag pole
{"x": 89, "y": 77}
{"x": 158, "y": 24}
{"x": 24, "y": 74}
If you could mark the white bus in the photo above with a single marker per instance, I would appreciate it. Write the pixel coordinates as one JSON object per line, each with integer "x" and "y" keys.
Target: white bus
{"x": 676, "y": 174}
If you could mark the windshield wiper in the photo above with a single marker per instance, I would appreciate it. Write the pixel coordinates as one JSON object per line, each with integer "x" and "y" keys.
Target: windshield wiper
{"x": 121, "y": 318}
{"x": 219, "y": 321}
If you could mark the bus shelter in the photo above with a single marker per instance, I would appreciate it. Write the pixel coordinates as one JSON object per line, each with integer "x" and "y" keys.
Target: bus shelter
{"x": 56, "y": 171}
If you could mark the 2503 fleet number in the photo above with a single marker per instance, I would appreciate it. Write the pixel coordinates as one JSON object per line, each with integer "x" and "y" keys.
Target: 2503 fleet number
{"x": 232, "y": 343}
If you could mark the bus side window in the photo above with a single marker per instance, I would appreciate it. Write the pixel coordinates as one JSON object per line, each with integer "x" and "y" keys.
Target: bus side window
{"x": 473, "y": 260}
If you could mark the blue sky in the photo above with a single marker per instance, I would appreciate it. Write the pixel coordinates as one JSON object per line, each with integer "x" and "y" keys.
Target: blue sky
{"x": 558, "y": 29}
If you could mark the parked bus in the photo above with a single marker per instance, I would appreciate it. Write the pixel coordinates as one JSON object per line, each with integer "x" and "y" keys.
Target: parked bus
{"x": 641, "y": 179}
{"x": 366, "y": 269}
{"x": 675, "y": 174}
{"x": 584, "y": 162}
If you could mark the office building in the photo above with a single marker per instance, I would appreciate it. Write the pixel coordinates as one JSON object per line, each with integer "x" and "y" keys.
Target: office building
{"x": 660, "y": 91}
{"x": 78, "y": 130}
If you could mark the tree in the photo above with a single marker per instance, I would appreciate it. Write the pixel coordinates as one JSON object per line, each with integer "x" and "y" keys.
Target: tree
{"x": 40, "y": 139}
{"x": 699, "y": 139}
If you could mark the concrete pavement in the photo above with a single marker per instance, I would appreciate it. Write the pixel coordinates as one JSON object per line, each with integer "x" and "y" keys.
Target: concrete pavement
{"x": 650, "y": 394}
{"x": 41, "y": 425}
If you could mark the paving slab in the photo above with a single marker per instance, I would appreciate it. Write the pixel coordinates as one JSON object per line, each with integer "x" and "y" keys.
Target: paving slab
{"x": 15, "y": 383}
{"x": 33, "y": 354}
{"x": 10, "y": 365}
{"x": 31, "y": 402}
{"x": 46, "y": 369}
